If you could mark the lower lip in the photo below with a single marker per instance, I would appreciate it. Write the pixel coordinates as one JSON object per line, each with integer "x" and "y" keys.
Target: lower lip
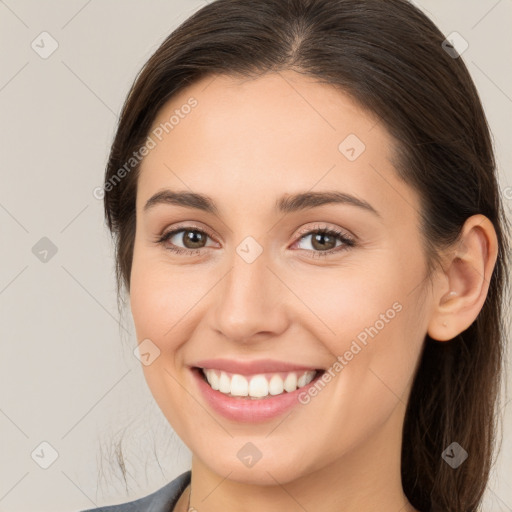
{"x": 245, "y": 409}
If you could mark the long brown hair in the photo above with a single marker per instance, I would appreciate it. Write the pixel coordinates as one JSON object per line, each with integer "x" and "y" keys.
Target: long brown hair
{"x": 390, "y": 58}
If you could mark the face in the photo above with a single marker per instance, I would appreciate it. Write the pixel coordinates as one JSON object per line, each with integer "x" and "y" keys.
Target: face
{"x": 262, "y": 281}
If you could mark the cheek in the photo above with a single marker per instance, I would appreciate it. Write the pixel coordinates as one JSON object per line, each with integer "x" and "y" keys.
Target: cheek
{"x": 162, "y": 297}
{"x": 371, "y": 317}
{"x": 375, "y": 339}
{"x": 341, "y": 303}
{"x": 159, "y": 301}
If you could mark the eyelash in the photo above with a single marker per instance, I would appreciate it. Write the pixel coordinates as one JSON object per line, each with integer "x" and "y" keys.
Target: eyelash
{"x": 340, "y": 235}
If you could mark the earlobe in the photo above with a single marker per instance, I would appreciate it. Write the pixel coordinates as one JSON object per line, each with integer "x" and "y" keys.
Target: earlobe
{"x": 467, "y": 273}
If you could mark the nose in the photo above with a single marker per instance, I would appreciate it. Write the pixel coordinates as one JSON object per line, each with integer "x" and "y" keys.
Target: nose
{"x": 251, "y": 302}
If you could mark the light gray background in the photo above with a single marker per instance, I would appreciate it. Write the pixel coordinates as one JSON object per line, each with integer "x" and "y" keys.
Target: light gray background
{"x": 69, "y": 376}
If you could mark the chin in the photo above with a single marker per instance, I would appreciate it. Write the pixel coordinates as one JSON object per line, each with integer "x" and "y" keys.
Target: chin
{"x": 265, "y": 471}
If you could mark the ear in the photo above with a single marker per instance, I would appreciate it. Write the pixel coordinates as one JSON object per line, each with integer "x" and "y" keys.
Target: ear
{"x": 462, "y": 288}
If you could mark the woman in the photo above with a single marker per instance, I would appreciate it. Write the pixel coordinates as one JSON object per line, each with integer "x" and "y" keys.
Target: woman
{"x": 308, "y": 224}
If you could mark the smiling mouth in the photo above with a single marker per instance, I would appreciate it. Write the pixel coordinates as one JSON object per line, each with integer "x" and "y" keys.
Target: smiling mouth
{"x": 257, "y": 386}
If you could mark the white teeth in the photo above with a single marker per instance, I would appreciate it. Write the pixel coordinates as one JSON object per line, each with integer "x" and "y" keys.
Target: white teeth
{"x": 257, "y": 386}
{"x": 276, "y": 385}
{"x": 213, "y": 379}
{"x": 302, "y": 381}
{"x": 224, "y": 383}
{"x": 290, "y": 383}
{"x": 239, "y": 386}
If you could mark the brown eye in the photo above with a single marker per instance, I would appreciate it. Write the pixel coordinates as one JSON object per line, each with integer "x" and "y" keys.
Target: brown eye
{"x": 185, "y": 240}
{"x": 324, "y": 241}
{"x": 193, "y": 239}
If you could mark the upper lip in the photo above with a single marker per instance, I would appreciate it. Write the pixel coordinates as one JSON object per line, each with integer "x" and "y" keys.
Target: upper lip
{"x": 252, "y": 367}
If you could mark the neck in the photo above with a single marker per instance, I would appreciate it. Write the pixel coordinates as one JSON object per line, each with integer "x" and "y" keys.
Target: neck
{"x": 366, "y": 478}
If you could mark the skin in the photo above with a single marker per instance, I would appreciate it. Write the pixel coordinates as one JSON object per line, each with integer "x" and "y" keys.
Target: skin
{"x": 245, "y": 144}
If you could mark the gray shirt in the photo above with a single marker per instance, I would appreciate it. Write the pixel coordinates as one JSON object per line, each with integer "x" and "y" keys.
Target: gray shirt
{"x": 162, "y": 500}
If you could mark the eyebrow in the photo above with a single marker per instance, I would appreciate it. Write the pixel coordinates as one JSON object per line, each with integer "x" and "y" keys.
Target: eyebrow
{"x": 286, "y": 204}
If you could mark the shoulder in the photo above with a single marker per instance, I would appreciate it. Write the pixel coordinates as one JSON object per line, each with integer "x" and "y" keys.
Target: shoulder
{"x": 159, "y": 501}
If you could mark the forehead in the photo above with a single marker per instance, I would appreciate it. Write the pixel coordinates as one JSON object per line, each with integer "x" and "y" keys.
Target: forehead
{"x": 251, "y": 140}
